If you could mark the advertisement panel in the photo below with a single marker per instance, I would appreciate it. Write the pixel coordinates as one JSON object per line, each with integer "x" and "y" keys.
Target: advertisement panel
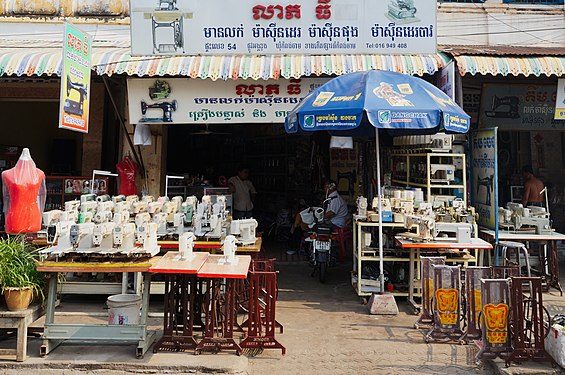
{"x": 75, "y": 80}
{"x": 560, "y": 100}
{"x": 198, "y": 101}
{"x": 519, "y": 107}
{"x": 484, "y": 177}
{"x": 272, "y": 27}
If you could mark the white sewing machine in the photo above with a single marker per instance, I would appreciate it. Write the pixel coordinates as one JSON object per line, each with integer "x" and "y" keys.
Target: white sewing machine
{"x": 453, "y": 232}
{"x": 139, "y": 207}
{"x": 244, "y": 231}
{"x": 178, "y": 223}
{"x": 186, "y": 245}
{"x": 119, "y": 198}
{"x": 81, "y": 235}
{"x": 51, "y": 217}
{"x": 442, "y": 172}
{"x": 400, "y": 207}
{"x": 170, "y": 209}
{"x": 160, "y": 219}
{"x": 188, "y": 208}
{"x": 361, "y": 208}
{"x": 123, "y": 237}
{"x": 61, "y": 239}
{"x": 155, "y": 207}
{"x": 386, "y": 210}
{"x": 102, "y": 235}
{"x": 87, "y": 198}
{"x": 203, "y": 216}
{"x": 229, "y": 247}
{"x": 150, "y": 242}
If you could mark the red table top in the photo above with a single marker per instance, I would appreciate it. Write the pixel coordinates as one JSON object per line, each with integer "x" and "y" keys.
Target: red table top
{"x": 215, "y": 268}
{"x": 171, "y": 263}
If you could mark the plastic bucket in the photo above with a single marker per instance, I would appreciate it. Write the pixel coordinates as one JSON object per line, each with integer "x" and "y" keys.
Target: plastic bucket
{"x": 124, "y": 309}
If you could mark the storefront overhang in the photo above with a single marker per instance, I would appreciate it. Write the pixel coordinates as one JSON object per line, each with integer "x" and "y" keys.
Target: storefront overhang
{"x": 112, "y": 61}
{"x": 507, "y": 60}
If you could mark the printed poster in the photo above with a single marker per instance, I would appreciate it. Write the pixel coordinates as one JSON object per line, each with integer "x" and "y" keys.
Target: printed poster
{"x": 75, "y": 80}
{"x": 484, "y": 177}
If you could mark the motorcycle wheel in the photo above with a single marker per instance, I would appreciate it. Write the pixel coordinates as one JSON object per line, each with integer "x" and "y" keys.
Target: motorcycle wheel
{"x": 323, "y": 269}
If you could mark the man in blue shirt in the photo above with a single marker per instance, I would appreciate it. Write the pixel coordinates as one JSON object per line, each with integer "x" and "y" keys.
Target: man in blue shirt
{"x": 335, "y": 207}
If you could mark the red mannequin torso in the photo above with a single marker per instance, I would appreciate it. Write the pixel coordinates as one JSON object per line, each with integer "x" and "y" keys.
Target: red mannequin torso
{"x": 24, "y": 213}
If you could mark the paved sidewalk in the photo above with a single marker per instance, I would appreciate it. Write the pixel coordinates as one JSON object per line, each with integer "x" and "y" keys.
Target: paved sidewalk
{"x": 326, "y": 331}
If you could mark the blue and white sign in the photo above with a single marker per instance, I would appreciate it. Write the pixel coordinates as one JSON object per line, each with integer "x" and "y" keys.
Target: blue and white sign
{"x": 176, "y": 27}
{"x": 484, "y": 177}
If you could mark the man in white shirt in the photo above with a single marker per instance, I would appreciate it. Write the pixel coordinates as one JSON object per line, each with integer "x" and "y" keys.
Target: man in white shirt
{"x": 243, "y": 193}
{"x": 335, "y": 207}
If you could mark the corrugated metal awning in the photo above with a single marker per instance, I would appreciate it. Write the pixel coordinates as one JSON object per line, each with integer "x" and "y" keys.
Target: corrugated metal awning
{"x": 110, "y": 61}
{"x": 508, "y": 60}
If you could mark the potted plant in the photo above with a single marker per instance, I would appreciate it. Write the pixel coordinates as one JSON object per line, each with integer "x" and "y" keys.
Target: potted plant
{"x": 19, "y": 279}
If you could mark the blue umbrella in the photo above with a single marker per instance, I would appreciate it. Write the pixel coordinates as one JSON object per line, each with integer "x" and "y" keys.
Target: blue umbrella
{"x": 355, "y": 103}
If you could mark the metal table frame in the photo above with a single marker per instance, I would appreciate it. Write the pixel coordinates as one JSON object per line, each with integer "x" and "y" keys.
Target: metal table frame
{"x": 548, "y": 242}
{"x": 55, "y": 334}
{"x": 423, "y": 248}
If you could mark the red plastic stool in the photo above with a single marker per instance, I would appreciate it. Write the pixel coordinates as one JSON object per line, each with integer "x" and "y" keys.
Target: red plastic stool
{"x": 342, "y": 235}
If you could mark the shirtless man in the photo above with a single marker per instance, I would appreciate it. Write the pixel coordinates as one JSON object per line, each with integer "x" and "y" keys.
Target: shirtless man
{"x": 532, "y": 195}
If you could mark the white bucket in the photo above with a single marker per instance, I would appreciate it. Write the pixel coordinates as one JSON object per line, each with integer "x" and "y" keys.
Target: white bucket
{"x": 124, "y": 309}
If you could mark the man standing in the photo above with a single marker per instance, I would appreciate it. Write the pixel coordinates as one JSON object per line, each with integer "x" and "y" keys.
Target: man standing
{"x": 335, "y": 207}
{"x": 533, "y": 188}
{"x": 243, "y": 193}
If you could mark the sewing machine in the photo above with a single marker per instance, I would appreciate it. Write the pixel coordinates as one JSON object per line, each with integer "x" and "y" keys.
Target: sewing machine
{"x": 81, "y": 234}
{"x": 203, "y": 216}
{"x": 167, "y": 16}
{"x": 148, "y": 199}
{"x": 87, "y": 198}
{"x": 424, "y": 218}
{"x": 188, "y": 208}
{"x": 52, "y": 217}
{"x": 186, "y": 245}
{"x": 160, "y": 219}
{"x": 400, "y": 207}
{"x": 517, "y": 217}
{"x": 453, "y": 232}
{"x": 154, "y": 207}
{"x": 139, "y": 207}
{"x": 102, "y": 235}
{"x": 229, "y": 247}
{"x": 361, "y": 208}
{"x": 178, "y": 223}
{"x": 386, "y": 208}
{"x": 102, "y": 217}
{"x": 58, "y": 237}
{"x": 170, "y": 209}
{"x": 510, "y": 107}
{"x": 103, "y": 198}
{"x": 105, "y": 206}
{"x": 167, "y": 107}
{"x": 442, "y": 172}
{"x": 217, "y": 220}
{"x": 244, "y": 231}
{"x": 72, "y": 106}
{"x": 401, "y": 11}
{"x": 118, "y": 198}
{"x": 440, "y": 142}
{"x": 123, "y": 237}
{"x": 149, "y": 244}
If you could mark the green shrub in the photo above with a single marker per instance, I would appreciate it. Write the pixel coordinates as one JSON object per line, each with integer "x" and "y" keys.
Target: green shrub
{"x": 18, "y": 266}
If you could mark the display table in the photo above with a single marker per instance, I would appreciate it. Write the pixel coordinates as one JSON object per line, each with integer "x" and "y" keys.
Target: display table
{"x": 221, "y": 308}
{"x": 548, "y": 257}
{"x": 181, "y": 303}
{"x": 55, "y": 334}
{"x": 418, "y": 249}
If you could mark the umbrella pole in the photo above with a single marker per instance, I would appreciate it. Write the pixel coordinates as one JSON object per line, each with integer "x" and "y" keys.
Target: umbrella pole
{"x": 379, "y": 194}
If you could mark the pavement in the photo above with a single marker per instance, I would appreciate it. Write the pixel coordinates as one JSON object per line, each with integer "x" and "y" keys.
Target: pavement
{"x": 327, "y": 330}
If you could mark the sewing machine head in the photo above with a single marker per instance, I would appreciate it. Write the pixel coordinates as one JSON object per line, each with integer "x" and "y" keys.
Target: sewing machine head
{"x": 72, "y": 205}
{"x": 102, "y": 231}
{"x": 244, "y": 230}
{"x": 51, "y": 217}
{"x": 118, "y": 198}
{"x": 155, "y": 207}
{"x": 132, "y": 198}
{"x": 139, "y": 207}
{"x": 123, "y": 235}
{"x": 186, "y": 245}
{"x": 148, "y": 199}
{"x": 102, "y": 217}
{"x": 88, "y": 206}
{"x": 79, "y": 232}
{"x": 142, "y": 218}
{"x": 178, "y": 201}
{"x": 206, "y": 199}
{"x": 87, "y": 198}
{"x": 229, "y": 247}
{"x": 453, "y": 232}
{"x": 105, "y": 206}
{"x": 103, "y": 198}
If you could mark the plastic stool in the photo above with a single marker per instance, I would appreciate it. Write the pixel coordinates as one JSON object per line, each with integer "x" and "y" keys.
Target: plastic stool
{"x": 504, "y": 247}
{"x": 342, "y": 235}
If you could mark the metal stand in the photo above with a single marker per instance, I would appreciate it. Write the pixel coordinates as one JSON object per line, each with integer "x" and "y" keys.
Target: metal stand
{"x": 261, "y": 324}
{"x": 473, "y": 305}
{"x": 494, "y": 323}
{"x": 180, "y": 310}
{"x": 447, "y": 305}
{"x": 528, "y": 331}
{"x": 220, "y": 314}
{"x": 426, "y": 318}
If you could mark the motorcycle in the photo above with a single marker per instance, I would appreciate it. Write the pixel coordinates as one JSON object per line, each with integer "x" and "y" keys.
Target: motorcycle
{"x": 322, "y": 250}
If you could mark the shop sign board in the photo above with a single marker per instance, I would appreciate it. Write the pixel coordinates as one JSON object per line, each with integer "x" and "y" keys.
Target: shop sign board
{"x": 484, "y": 177}
{"x": 314, "y": 27}
{"x": 75, "y": 80}
{"x": 446, "y": 80}
{"x": 519, "y": 107}
{"x": 560, "y": 100}
{"x": 199, "y": 101}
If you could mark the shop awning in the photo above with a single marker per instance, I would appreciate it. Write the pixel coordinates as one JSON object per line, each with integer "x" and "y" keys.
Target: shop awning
{"x": 110, "y": 61}
{"x": 508, "y": 60}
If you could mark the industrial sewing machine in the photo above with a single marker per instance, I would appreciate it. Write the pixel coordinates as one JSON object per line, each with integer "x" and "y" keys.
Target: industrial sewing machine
{"x": 72, "y": 106}
{"x": 160, "y": 219}
{"x": 386, "y": 210}
{"x": 453, "y": 232}
{"x": 81, "y": 235}
{"x": 401, "y": 11}
{"x": 229, "y": 247}
{"x": 400, "y": 207}
{"x": 186, "y": 245}
{"x": 102, "y": 235}
{"x": 167, "y": 107}
{"x": 517, "y": 217}
{"x": 442, "y": 172}
{"x": 188, "y": 208}
{"x": 424, "y": 218}
{"x": 123, "y": 237}
{"x": 509, "y": 104}
{"x": 244, "y": 231}
{"x": 203, "y": 216}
